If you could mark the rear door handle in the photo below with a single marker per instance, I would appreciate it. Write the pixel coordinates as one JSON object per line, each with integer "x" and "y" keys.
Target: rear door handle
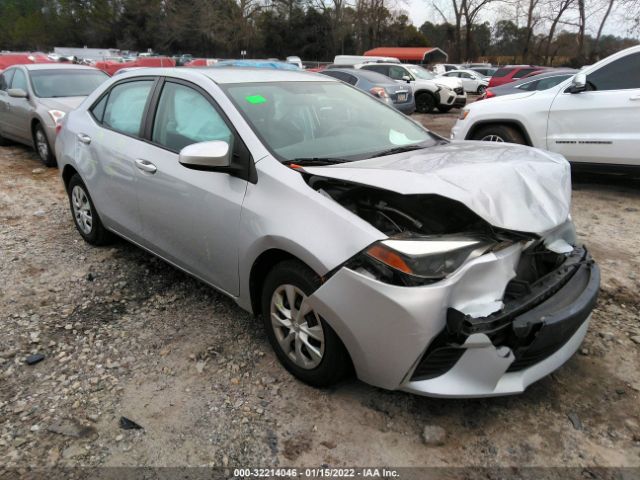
{"x": 86, "y": 139}
{"x": 145, "y": 166}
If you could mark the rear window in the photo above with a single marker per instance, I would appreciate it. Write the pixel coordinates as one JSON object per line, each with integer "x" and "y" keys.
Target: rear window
{"x": 523, "y": 71}
{"x": 502, "y": 72}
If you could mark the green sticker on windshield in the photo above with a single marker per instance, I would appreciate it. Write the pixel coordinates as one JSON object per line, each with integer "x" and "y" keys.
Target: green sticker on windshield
{"x": 255, "y": 99}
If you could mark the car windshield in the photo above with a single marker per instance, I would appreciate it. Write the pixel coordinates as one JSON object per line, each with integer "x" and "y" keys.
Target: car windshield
{"x": 66, "y": 83}
{"x": 420, "y": 72}
{"x": 324, "y": 121}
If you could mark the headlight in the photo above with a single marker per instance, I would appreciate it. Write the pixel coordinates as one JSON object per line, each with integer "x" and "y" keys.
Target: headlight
{"x": 56, "y": 115}
{"x": 419, "y": 260}
{"x": 464, "y": 113}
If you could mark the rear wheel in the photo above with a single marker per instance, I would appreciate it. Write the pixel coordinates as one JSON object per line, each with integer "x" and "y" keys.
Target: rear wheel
{"x": 42, "y": 146}
{"x": 84, "y": 213}
{"x": 499, "y": 133}
{"x": 425, "y": 103}
{"x": 303, "y": 341}
{"x": 481, "y": 89}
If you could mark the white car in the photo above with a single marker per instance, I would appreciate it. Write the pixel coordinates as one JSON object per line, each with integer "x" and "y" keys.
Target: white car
{"x": 473, "y": 82}
{"x": 451, "y": 93}
{"x": 591, "y": 118}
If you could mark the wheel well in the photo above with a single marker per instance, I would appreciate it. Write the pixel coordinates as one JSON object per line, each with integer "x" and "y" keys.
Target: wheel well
{"x": 509, "y": 123}
{"x": 422, "y": 92}
{"x": 67, "y": 173}
{"x": 259, "y": 271}
{"x": 34, "y": 122}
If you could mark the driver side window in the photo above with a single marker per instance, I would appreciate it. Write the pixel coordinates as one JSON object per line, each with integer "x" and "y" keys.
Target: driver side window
{"x": 184, "y": 117}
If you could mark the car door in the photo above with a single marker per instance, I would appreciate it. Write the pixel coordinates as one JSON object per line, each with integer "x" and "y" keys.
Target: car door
{"x": 107, "y": 146}
{"x": 5, "y": 82}
{"x": 190, "y": 217}
{"x": 600, "y": 125}
{"x": 18, "y": 112}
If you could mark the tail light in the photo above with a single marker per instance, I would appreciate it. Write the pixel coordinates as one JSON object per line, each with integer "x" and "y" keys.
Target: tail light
{"x": 379, "y": 92}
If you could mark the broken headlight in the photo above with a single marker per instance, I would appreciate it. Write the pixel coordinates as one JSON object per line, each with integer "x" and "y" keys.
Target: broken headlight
{"x": 419, "y": 260}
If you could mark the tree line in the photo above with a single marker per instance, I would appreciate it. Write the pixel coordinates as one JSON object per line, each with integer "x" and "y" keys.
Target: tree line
{"x": 312, "y": 29}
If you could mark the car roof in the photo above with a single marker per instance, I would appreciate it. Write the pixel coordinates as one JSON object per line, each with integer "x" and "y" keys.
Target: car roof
{"x": 224, "y": 75}
{"x": 368, "y": 75}
{"x": 57, "y": 66}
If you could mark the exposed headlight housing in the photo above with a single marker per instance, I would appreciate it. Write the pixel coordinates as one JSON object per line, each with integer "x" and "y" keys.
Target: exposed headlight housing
{"x": 416, "y": 261}
{"x": 56, "y": 116}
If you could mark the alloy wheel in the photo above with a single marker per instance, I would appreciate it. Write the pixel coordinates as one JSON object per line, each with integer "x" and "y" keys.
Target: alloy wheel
{"x": 41, "y": 144}
{"x": 297, "y": 327}
{"x": 82, "y": 209}
{"x": 492, "y": 138}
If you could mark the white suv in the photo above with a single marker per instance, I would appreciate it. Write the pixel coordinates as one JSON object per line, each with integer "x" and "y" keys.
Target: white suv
{"x": 428, "y": 90}
{"x": 591, "y": 118}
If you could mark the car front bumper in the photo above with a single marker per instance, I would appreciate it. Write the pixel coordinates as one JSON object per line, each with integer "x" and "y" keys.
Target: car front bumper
{"x": 388, "y": 329}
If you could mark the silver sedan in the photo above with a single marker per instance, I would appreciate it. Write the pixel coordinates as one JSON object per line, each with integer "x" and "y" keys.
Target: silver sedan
{"x": 34, "y": 98}
{"x": 365, "y": 243}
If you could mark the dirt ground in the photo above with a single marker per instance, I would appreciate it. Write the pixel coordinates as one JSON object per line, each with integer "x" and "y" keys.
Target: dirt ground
{"x": 124, "y": 334}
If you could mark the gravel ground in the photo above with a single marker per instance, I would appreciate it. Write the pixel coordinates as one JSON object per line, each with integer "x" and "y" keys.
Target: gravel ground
{"x": 124, "y": 334}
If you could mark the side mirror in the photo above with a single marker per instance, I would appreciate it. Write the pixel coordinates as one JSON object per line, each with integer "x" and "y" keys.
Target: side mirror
{"x": 213, "y": 155}
{"x": 579, "y": 83}
{"x": 406, "y": 78}
{"x": 17, "y": 93}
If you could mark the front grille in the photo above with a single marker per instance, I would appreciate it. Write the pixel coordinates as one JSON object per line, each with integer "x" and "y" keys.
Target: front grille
{"x": 459, "y": 90}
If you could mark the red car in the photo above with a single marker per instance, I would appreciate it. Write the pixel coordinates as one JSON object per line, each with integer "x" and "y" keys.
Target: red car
{"x": 111, "y": 67}
{"x": 22, "y": 58}
{"x": 511, "y": 73}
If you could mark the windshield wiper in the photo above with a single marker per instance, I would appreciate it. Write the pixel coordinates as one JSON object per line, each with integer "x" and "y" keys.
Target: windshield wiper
{"x": 401, "y": 149}
{"x": 316, "y": 161}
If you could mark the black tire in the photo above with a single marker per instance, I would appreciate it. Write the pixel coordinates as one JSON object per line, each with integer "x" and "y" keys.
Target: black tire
{"x": 41, "y": 144}
{"x": 336, "y": 363}
{"x": 444, "y": 109}
{"x": 425, "y": 102}
{"x": 499, "y": 133}
{"x": 481, "y": 89}
{"x": 97, "y": 235}
{"x": 3, "y": 141}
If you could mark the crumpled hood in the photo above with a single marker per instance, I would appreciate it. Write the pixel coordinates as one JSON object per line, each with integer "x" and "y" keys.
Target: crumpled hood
{"x": 64, "y": 104}
{"x": 510, "y": 186}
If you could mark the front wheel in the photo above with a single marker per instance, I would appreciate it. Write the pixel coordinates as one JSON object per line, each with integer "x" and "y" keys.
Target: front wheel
{"x": 425, "y": 103}
{"x": 481, "y": 89}
{"x": 499, "y": 133}
{"x": 42, "y": 146}
{"x": 303, "y": 341}
{"x": 85, "y": 215}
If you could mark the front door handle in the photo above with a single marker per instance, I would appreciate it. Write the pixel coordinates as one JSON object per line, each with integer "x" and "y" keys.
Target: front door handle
{"x": 145, "y": 166}
{"x": 635, "y": 97}
{"x": 86, "y": 139}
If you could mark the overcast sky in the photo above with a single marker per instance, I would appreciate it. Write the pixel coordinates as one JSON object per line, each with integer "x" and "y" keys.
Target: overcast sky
{"x": 422, "y": 10}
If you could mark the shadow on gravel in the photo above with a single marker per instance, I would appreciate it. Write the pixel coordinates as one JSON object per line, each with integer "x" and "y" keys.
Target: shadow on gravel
{"x": 607, "y": 181}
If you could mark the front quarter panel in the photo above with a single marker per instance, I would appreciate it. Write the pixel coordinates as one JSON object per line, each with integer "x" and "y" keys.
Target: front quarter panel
{"x": 282, "y": 212}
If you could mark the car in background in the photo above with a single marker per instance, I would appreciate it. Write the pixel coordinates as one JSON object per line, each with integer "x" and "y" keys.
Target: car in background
{"x": 511, "y": 73}
{"x": 380, "y": 86}
{"x": 35, "y": 98}
{"x": 541, "y": 81}
{"x": 183, "y": 59}
{"x": 591, "y": 118}
{"x": 364, "y": 242}
{"x": 201, "y": 62}
{"x": 143, "y": 60}
{"x": 486, "y": 71}
{"x": 441, "y": 68}
{"x": 472, "y": 81}
{"x": 348, "y": 61}
{"x": 245, "y": 63}
{"x": 8, "y": 59}
{"x": 295, "y": 60}
{"x": 429, "y": 91}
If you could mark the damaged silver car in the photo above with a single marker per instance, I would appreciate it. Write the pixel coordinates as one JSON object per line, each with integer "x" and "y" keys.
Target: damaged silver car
{"x": 366, "y": 243}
